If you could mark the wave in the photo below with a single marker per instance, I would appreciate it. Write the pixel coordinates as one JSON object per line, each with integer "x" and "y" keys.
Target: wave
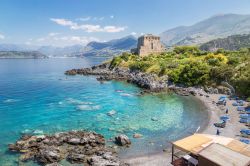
{"x": 87, "y": 107}
{"x": 38, "y": 132}
{"x": 119, "y": 91}
{"x": 126, "y": 94}
{"x": 77, "y": 102}
{"x": 10, "y": 101}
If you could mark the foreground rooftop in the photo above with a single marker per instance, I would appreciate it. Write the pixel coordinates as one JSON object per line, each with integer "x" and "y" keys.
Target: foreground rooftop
{"x": 200, "y": 149}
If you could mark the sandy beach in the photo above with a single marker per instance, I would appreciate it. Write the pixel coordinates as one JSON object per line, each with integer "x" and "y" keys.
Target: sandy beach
{"x": 231, "y": 130}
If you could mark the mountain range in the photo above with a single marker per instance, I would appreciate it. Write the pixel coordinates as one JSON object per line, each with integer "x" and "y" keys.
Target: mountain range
{"x": 109, "y": 48}
{"x": 22, "y": 55}
{"x": 219, "y": 26}
{"x": 234, "y": 42}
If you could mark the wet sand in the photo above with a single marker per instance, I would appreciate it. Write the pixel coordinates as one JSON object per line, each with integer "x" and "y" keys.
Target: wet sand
{"x": 231, "y": 130}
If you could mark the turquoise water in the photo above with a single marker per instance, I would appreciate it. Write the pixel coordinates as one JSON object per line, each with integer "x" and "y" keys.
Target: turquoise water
{"x": 36, "y": 97}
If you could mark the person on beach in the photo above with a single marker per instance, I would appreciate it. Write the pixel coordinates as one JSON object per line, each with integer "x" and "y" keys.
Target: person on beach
{"x": 227, "y": 111}
{"x": 218, "y": 132}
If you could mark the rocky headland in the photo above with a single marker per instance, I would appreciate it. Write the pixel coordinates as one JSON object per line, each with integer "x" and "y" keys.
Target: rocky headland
{"x": 144, "y": 80}
{"x": 79, "y": 147}
{"x": 148, "y": 81}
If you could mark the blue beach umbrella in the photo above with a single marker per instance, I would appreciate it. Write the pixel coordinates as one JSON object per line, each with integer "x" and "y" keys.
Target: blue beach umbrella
{"x": 224, "y": 117}
{"x": 246, "y": 141}
{"x": 245, "y": 131}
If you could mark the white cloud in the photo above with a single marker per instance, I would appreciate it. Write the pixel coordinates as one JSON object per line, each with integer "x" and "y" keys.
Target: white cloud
{"x": 63, "y": 40}
{"x": 112, "y": 16}
{"x": 113, "y": 29}
{"x": 133, "y": 33}
{"x": 87, "y": 27}
{"x": 63, "y": 22}
{"x": 2, "y": 37}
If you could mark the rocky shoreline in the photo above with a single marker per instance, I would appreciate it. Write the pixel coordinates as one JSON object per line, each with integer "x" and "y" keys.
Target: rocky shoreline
{"x": 149, "y": 82}
{"x": 79, "y": 147}
{"x": 146, "y": 81}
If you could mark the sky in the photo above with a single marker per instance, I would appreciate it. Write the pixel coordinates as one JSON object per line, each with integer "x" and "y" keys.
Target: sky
{"x": 68, "y": 22}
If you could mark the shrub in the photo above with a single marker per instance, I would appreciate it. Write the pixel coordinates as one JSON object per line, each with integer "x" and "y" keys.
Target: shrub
{"x": 125, "y": 56}
{"x": 187, "y": 49}
{"x": 138, "y": 65}
{"x": 216, "y": 59}
{"x": 115, "y": 62}
{"x": 192, "y": 73}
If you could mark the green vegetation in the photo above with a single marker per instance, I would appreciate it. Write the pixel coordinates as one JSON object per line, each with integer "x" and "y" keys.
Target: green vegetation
{"x": 234, "y": 42}
{"x": 190, "y": 66}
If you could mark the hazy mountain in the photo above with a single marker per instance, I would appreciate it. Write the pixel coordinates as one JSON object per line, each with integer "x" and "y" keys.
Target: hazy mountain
{"x": 234, "y": 42}
{"x": 109, "y": 48}
{"x": 17, "y": 47}
{"x": 67, "y": 51}
{"x": 21, "y": 55}
{"x": 212, "y": 28}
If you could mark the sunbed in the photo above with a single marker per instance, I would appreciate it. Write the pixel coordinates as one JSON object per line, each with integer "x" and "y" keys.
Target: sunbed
{"x": 246, "y": 141}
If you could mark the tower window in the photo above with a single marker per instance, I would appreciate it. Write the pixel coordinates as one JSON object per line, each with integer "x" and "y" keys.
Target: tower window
{"x": 152, "y": 46}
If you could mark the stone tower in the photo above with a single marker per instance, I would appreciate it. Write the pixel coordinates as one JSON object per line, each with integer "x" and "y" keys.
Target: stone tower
{"x": 148, "y": 44}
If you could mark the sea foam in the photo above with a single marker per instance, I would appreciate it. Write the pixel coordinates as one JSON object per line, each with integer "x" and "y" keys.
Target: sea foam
{"x": 87, "y": 107}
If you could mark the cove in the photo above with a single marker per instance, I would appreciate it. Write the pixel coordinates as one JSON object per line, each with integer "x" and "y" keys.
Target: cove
{"x": 37, "y": 98}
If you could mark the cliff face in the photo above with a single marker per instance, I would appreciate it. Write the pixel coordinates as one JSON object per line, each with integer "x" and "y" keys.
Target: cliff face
{"x": 234, "y": 42}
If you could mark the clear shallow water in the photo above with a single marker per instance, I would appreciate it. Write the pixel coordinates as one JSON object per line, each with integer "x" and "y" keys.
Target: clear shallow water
{"x": 36, "y": 97}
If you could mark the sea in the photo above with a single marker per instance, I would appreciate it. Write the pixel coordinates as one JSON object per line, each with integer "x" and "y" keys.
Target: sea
{"x": 37, "y": 98}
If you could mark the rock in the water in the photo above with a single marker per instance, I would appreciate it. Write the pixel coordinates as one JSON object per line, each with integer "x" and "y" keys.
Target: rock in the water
{"x": 75, "y": 146}
{"x": 136, "y": 135}
{"x": 122, "y": 140}
{"x": 154, "y": 119}
{"x": 71, "y": 72}
{"x": 111, "y": 113}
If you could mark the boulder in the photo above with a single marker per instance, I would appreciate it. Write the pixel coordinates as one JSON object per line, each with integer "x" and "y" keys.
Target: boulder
{"x": 102, "y": 161}
{"x": 122, "y": 140}
{"x": 76, "y": 158}
{"x": 224, "y": 90}
{"x": 74, "y": 141}
{"x": 49, "y": 155}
